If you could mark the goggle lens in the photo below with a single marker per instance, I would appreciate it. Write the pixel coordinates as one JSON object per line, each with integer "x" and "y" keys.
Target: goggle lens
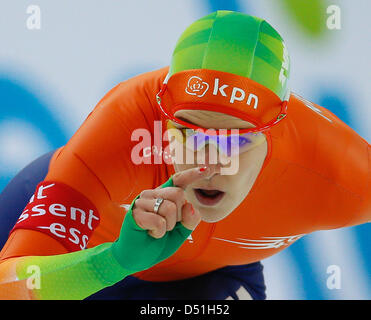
{"x": 229, "y": 145}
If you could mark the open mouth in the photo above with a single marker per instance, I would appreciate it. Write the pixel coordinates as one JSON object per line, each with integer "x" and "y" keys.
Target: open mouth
{"x": 208, "y": 197}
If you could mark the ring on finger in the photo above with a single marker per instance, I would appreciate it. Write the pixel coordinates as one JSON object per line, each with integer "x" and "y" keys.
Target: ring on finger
{"x": 157, "y": 204}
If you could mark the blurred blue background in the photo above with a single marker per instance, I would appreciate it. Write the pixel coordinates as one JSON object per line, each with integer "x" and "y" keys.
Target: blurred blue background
{"x": 52, "y": 77}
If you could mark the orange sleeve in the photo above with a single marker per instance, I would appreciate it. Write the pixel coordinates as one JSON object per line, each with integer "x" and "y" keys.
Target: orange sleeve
{"x": 24, "y": 242}
{"x": 96, "y": 162}
{"x": 337, "y": 161}
{"x": 364, "y": 215}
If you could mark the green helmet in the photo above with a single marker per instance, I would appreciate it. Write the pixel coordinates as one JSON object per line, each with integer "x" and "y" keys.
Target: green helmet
{"x": 236, "y": 43}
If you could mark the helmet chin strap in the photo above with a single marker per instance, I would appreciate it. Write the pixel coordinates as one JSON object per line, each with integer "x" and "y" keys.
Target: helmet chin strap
{"x": 166, "y": 78}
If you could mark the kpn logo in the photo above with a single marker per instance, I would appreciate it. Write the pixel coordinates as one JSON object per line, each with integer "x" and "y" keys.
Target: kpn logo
{"x": 197, "y": 87}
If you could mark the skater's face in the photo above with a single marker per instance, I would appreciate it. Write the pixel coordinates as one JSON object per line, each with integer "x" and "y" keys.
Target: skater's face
{"x": 235, "y": 173}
